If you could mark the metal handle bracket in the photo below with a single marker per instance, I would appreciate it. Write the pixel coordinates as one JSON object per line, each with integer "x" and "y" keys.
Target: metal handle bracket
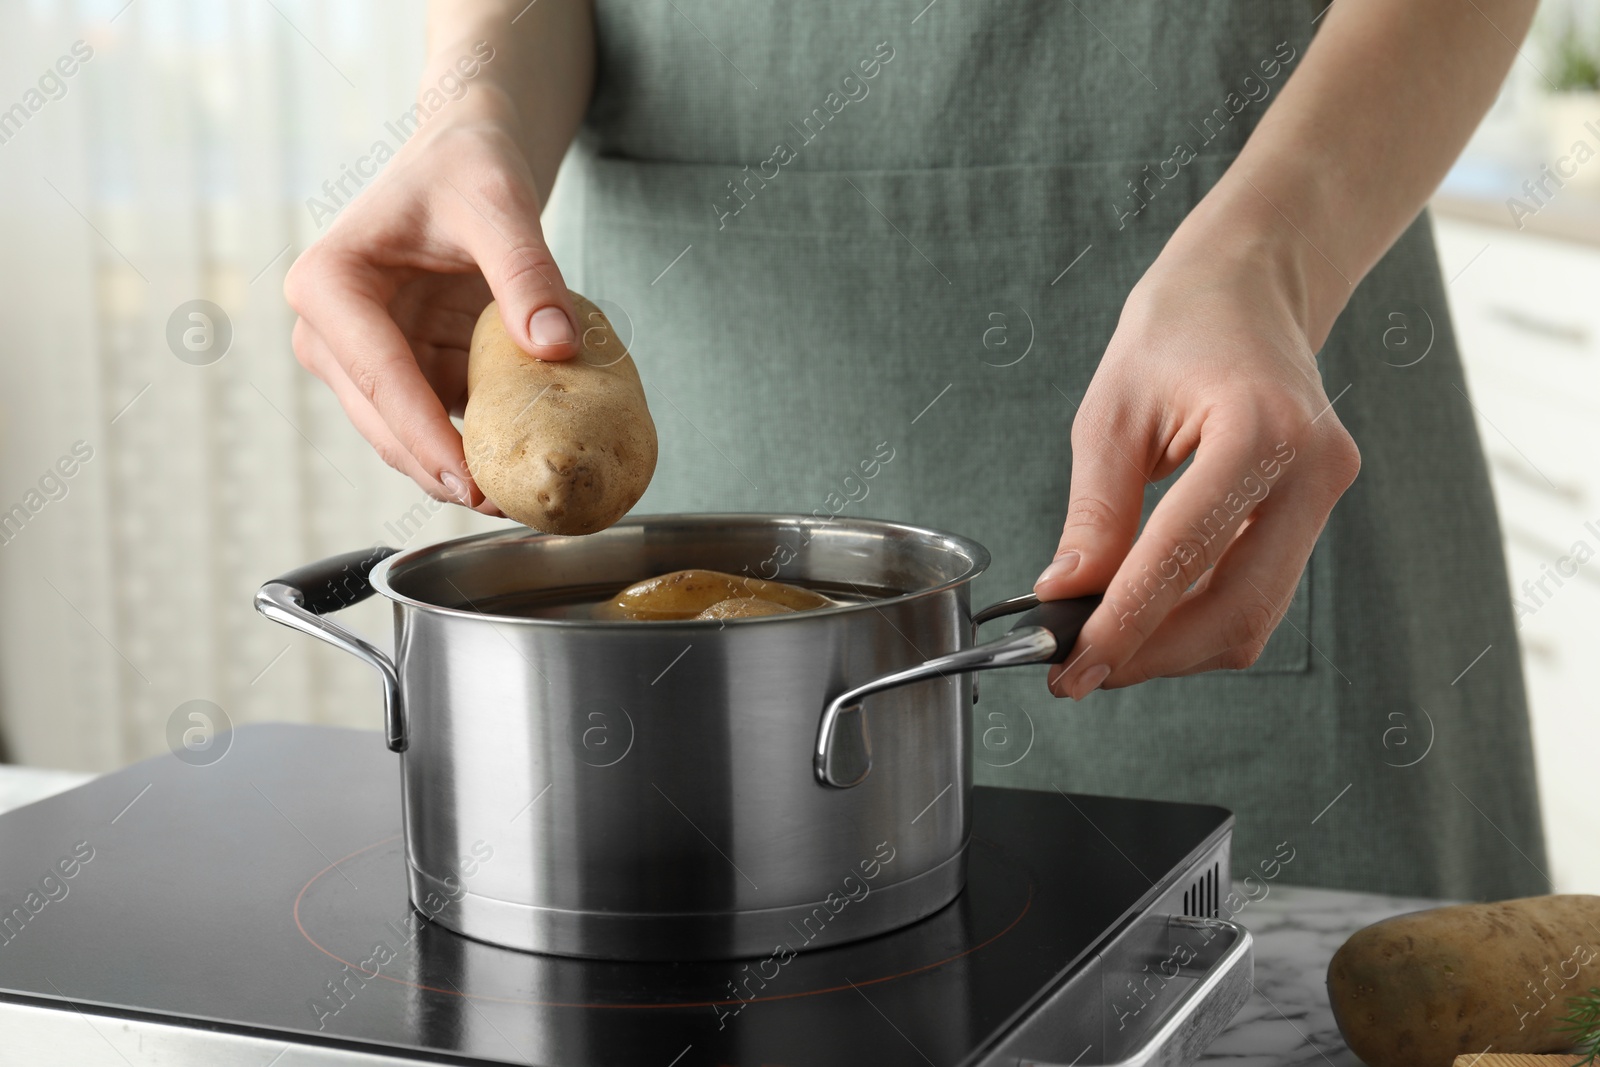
{"x": 1045, "y": 634}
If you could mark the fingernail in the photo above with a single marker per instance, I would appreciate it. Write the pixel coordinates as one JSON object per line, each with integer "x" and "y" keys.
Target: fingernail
{"x": 455, "y": 487}
{"x": 1060, "y": 567}
{"x": 549, "y": 326}
{"x": 1090, "y": 681}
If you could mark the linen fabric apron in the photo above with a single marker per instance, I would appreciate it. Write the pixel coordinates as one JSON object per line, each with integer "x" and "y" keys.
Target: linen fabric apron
{"x": 869, "y": 256}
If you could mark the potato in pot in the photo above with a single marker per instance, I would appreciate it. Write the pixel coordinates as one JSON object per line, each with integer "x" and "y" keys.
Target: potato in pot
{"x": 707, "y": 594}
{"x": 744, "y": 608}
{"x": 563, "y": 447}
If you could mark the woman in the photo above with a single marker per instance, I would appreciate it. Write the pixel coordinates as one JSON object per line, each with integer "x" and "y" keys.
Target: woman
{"x": 1095, "y": 255}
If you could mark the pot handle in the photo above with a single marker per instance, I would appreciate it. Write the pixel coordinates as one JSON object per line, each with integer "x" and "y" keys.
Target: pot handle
{"x": 301, "y": 597}
{"x": 1044, "y": 634}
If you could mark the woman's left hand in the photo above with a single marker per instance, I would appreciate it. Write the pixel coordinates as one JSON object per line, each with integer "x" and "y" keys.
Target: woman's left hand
{"x": 1212, "y": 357}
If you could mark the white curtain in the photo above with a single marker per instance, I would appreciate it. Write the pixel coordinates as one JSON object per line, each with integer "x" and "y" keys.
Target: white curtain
{"x": 173, "y": 164}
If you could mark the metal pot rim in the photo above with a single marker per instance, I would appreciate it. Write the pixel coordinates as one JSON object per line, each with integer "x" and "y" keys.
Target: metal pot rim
{"x": 978, "y": 555}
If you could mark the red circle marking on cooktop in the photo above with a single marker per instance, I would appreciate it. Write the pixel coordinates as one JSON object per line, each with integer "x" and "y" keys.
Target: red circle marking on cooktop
{"x": 1026, "y": 905}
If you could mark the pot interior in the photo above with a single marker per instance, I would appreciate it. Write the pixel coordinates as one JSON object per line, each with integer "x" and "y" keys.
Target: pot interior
{"x": 863, "y": 560}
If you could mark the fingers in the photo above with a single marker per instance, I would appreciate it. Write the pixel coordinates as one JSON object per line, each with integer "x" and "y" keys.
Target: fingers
{"x": 1103, "y": 511}
{"x": 1225, "y": 623}
{"x": 337, "y": 295}
{"x": 437, "y": 314}
{"x": 319, "y": 357}
{"x": 1186, "y": 535}
{"x": 445, "y": 371}
{"x": 497, "y": 222}
{"x": 315, "y": 355}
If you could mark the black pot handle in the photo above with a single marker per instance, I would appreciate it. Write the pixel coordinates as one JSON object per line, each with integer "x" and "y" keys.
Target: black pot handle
{"x": 336, "y": 582}
{"x": 301, "y": 597}
{"x": 1063, "y": 619}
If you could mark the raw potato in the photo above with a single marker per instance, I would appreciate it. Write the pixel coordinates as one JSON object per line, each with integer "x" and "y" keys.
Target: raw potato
{"x": 565, "y": 448}
{"x": 1514, "y": 1059}
{"x": 1418, "y": 990}
{"x": 743, "y": 608}
{"x": 686, "y": 594}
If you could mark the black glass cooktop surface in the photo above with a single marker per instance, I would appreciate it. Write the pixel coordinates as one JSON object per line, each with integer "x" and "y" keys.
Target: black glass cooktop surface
{"x": 265, "y": 895}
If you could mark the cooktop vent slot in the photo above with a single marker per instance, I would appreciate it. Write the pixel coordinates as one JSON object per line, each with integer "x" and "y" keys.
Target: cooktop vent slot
{"x": 1201, "y": 899}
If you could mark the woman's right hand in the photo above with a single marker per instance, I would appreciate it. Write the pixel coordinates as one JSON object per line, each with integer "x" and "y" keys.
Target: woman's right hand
{"x": 388, "y": 297}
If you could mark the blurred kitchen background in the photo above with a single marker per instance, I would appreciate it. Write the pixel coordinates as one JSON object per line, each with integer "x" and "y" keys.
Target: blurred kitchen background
{"x": 173, "y": 164}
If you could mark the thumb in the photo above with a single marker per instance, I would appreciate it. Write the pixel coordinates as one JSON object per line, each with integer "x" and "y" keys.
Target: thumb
{"x": 1102, "y": 520}
{"x": 502, "y": 234}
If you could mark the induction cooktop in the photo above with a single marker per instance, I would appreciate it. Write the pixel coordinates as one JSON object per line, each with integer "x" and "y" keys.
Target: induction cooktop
{"x": 254, "y": 911}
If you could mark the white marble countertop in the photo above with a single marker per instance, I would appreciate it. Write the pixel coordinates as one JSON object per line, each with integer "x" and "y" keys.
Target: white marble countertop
{"x": 1286, "y": 1021}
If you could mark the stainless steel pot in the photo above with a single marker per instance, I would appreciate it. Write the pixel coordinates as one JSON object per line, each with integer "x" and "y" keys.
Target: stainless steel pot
{"x": 680, "y": 790}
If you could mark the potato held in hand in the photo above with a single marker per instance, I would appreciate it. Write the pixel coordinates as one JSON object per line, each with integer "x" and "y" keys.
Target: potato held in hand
{"x": 1418, "y": 990}
{"x": 566, "y": 447}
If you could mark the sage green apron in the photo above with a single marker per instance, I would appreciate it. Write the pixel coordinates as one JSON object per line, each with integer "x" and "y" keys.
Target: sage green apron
{"x": 870, "y": 255}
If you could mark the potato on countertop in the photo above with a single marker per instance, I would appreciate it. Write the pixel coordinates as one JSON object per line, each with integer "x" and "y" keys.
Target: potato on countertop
{"x": 562, "y": 447}
{"x": 1419, "y": 990}
{"x": 1516, "y": 1059}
